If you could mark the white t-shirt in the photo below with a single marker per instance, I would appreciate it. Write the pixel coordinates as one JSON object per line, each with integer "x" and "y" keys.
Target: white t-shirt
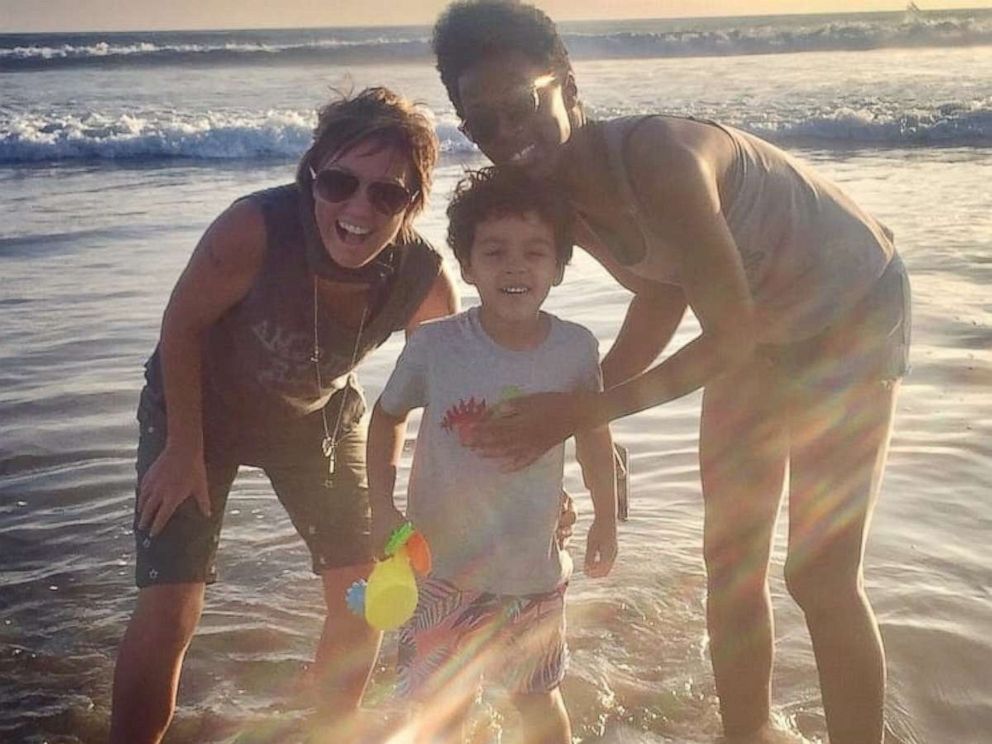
{"x": 488, "y": 530}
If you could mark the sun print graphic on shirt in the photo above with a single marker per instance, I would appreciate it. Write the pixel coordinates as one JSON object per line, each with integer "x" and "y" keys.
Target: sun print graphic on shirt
{"x": 462, "y": 417}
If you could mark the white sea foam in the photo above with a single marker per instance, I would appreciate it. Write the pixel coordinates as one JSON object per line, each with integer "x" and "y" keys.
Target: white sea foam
{"x": 42, "y": 137}
{"x": 723, "y": 37}
{"x": 90, "y": 251}
{"x": 208, "y": 136}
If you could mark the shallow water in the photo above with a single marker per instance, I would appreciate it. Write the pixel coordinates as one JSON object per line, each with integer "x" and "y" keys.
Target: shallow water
{"x": 90, "y": 248}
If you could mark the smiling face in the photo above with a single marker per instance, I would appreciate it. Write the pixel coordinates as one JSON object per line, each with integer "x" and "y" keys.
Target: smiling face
{"x": 496, "y": 89}
{"x": 354, "y": 231}
{"x": 513, "y": 264}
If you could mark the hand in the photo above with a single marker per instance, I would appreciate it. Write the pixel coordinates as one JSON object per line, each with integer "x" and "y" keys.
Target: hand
{"x": 384, "y": 523}
{"x": 171, "y": 479}
{"x": 566, "y": 520}
{"x": 601, "y": 548}
{"x": 522, "y": 429}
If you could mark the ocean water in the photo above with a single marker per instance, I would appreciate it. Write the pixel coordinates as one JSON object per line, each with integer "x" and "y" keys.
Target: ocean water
{"x": 116, "y": 151}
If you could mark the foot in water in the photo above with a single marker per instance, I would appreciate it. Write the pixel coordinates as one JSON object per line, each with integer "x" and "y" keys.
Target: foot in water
{"x": 767, "y": 734}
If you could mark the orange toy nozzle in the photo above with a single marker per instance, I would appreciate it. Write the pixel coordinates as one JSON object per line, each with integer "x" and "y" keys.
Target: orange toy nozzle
{"x": 419, "y": 552}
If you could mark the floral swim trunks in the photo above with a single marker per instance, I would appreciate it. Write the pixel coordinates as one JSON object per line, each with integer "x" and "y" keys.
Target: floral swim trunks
{"x": 458, "y": 637}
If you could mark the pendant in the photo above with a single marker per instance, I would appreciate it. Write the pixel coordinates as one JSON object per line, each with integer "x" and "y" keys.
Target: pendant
{"x": 327, "y": 445}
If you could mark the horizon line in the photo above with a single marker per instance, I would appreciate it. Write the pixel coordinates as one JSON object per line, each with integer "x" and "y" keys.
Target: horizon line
{"x": 5, "y": 32}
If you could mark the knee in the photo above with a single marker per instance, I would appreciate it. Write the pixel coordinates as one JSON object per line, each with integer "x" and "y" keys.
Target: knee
{"x": 820, "y": 588}
{"x": 735, "y": 569}
{"x": 166, "y": 616}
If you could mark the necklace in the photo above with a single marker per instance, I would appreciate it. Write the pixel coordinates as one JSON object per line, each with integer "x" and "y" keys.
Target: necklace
{"x": 330, "y": 441}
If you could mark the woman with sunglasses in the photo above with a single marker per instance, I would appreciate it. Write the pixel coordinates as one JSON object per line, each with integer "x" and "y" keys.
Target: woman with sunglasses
{"x": 803, "y": 307}
{"x": 285, "y": 294}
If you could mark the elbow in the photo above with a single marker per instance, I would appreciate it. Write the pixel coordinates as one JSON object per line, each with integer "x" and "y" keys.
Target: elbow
{"x": 736, "y": 345}
{"x": 181, "y": 327}
{"x": 382, "y": 418}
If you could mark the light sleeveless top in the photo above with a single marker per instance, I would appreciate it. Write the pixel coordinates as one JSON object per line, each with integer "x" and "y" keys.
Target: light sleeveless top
{"x": 808, "y": 251}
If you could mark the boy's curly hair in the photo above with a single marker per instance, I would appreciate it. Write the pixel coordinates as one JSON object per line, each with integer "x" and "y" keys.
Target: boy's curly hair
{"x": 470, "y": 30}
{"x": 506, "y": 191}
{"x": 387, "y": 119}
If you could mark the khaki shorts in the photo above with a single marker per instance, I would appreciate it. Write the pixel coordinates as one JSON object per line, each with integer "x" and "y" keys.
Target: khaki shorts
{"x": 332, "y": 516}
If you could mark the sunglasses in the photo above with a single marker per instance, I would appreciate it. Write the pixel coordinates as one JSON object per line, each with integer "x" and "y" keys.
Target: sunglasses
{"x": 335, "y": 186}
{"x": 481, "y": 124}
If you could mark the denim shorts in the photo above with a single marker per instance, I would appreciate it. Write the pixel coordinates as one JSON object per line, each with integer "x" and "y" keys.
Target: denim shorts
{"x": 331, "y": 515}
{"x": 869, "y": 343}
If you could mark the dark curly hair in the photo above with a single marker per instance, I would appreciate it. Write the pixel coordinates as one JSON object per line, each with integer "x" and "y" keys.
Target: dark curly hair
{"x": 471, "y": 30}
{"x": 505, "y": 191}
{"x": 380, "y": 116}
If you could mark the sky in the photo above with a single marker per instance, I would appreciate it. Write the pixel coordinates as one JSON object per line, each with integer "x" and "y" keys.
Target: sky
{"x": 124, "y": 15}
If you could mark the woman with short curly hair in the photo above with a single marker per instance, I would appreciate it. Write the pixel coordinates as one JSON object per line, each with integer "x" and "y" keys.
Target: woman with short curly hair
{"x": 803, "y": 307}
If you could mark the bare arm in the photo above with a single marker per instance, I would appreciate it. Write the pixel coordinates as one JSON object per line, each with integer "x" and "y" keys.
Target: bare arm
{"x": 676, "y": 175}
{"x": 441, "y": 301}
{"x": 651, "y": 320}
{"x": 652, "y": 317}
{"x": 594, "y": 451}
{"x": 385, "y": 447}
{"x": 220, "y": 272}
{"x": 387, "y": 432}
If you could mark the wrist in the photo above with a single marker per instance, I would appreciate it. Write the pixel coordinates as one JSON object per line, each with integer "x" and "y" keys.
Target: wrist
{"x": 184, "y": 446}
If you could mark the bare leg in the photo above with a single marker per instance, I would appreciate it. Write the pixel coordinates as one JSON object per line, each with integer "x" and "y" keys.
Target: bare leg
{"x": 743, "y": 451}
{"x": 146, "y": 677}
{"x": 838, "y": 455}
{"x": 543, "y": 717}
{"x": 347, "y": 650}
{"x": 445, "y": 722}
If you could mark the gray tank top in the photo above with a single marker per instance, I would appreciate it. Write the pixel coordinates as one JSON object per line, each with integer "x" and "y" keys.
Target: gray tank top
{"x": 257, "y": 362}
{"x": 809, "y": 252}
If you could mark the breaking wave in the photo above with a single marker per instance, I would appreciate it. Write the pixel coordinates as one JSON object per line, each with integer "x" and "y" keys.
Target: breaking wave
{"x": 27, "y": 138}
{"x": 643, "y": 39}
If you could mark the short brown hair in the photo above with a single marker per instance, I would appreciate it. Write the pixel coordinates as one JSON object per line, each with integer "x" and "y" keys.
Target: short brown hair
{"x": 381, "y": 116}
{"x": 505, "y": 191}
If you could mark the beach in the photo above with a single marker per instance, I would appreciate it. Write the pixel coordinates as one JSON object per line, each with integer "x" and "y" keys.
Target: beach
{"x": 116, "y": 152}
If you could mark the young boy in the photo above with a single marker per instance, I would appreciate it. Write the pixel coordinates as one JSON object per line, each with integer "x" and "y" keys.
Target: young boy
{"x": 493, "y": 605}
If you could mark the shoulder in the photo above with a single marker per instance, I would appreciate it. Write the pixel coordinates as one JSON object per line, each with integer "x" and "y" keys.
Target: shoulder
{"x": 278, "y": 209}
{"x": 238, "y": 235}
{"x": 437, "y": 331}
{"x": 674, "y": 136}
{"x": 570, "y": 328}
{"x": 423, "y": 289}
{"x": 252, "y": 216}
{"x": 284, "y": 196}
{"x": 673, "y": 146}
{"x": 420, "y": 250}
{"x": 675, "y": 165}
{"x": 419, "y": 266}
{"x": 574, "y": 335}
{"x": 439, "y": 300}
